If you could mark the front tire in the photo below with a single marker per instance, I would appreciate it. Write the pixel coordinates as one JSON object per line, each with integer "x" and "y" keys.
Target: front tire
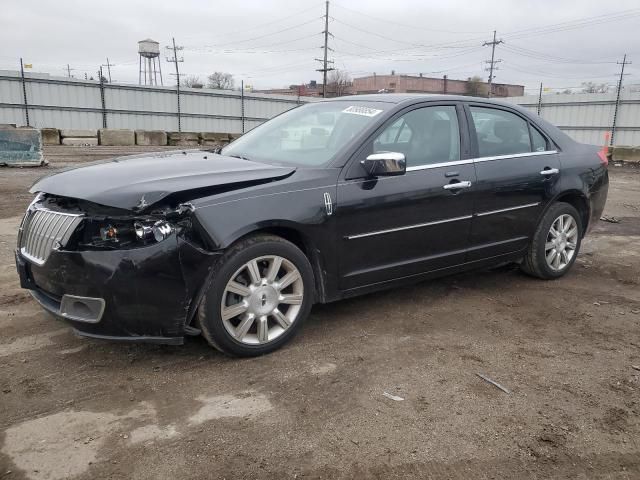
{"x": 261, "y": 293}
{"x": 555, "y": 244}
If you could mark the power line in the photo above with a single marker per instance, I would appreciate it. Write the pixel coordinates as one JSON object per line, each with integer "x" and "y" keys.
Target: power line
{"x": 408, "y": 56}
{"x": 542, "y": 73}
{"x": 271, "y": 22}
{"x": 455, "y": 44}
{"x": 573, "y": 24}
{"x": 550, "y": 58}
{"x": 235, "y": 42}
{"x": 492, "y": 63}
{"x": 247, "y": 49}
{"x": 387, "y": 22}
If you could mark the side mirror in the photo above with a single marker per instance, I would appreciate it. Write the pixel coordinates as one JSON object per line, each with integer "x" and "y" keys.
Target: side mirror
{"x": 385, "y": 164}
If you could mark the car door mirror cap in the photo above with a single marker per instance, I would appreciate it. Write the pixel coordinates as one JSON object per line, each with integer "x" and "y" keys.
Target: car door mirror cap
{"x": 385, "y": 164}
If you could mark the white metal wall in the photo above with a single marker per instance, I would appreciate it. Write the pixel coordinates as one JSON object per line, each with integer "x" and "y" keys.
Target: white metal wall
{"x": 60, "y": 102}
{"x": 587, "y": 117}
{"x": 70, "y": 103}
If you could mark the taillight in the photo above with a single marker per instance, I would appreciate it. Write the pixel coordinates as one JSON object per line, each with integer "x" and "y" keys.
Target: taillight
{"x": 603, "y": 156}
{"x": 602, "y": 153}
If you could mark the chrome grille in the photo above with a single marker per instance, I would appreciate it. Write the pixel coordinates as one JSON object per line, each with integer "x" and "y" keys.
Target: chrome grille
{"x": 43, "y": 230}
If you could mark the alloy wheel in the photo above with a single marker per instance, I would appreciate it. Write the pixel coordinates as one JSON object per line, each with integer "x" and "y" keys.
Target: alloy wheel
{"x": 561, "y": 243}
{"x": 262, "y": 300}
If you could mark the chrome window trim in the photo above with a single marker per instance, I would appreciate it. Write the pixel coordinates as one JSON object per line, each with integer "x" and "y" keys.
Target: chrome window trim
{"x": 478, "y": 159}
{"x": 492, "y": 212}
{"x": 407, "y": 227}
{"x": 438, "y": 165}
{"x": 514, "y": 155}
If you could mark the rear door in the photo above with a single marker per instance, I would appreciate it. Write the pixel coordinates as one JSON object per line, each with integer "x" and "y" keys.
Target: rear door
{"x": 392, "y": 227}
{"x": 516, "y": 167}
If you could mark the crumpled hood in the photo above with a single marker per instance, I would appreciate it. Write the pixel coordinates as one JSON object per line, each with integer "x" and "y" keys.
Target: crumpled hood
{"x": 136, "y": 182}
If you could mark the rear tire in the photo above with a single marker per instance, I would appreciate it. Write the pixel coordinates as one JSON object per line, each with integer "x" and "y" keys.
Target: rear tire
{"x": 555, "y": 243}
{"x": 261, "y": 293}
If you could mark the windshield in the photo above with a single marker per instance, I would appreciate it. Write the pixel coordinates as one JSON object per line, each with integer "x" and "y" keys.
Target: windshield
{"x": 309, "y": 135}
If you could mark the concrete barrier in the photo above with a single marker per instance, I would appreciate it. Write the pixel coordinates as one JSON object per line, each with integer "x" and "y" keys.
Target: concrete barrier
{"x": 116, "y": 137}
{"x": 50, "y": 136}
{"x": 126, "y": 137}
{"x": 80, "y": 141}
{"x": 151, "y": 137}
{"x": 75, "y": 133}
{"x": 626, "y": 154}
{"x": 184, "y": 139}
{"x": 214, "y": 139}
{"x": 20, "y": 146}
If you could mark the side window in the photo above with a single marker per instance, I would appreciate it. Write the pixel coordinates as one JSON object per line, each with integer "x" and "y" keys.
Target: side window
{"x": 426, "y": 135}
{"x": 538, "y": 142}
{"x": 500, "y": 132}
{"x": 397, "y": 132}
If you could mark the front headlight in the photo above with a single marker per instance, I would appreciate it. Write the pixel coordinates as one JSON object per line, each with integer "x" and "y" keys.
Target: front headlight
{"x": 124, "y": 233}
{"x": 161, "y": 230}
{"x": 157, "y": 231}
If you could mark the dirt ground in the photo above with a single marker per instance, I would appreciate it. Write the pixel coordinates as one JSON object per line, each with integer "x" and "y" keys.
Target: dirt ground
{"x": 566, "y": 351}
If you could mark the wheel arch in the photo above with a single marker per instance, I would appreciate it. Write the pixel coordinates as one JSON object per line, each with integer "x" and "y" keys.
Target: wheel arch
{"x": 294, "y": 235}
{"x": 577, "y": 200}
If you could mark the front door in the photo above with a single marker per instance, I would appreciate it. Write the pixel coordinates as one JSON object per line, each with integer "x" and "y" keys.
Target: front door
{"x": 516, "y": 168}
{"x": 393, "y": 227}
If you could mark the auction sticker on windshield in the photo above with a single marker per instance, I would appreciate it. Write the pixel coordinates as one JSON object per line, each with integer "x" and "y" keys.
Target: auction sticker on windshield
{"x": 366, "y": 111}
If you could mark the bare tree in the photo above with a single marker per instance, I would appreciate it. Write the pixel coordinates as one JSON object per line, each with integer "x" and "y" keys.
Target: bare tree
{"x": 476, "y": 87}
{"x": 338, "y": 83}
{"x": 221, "y": 81}
{"x": 592, "y": 87}
{"x": 192, "y": 81}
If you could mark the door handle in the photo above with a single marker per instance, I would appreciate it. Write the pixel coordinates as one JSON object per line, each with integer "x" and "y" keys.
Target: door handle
{"x": 457, "y": 185}
{"x": 549, "y": 171}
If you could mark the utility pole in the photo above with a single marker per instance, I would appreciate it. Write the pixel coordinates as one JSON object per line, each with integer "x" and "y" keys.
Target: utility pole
{"x": 176, "y": 60}
{"x": 242, "y": 104}
{"x": 618, "y": 93}
{"x": 540, "y": 99}
{"x": 69, "y": 70}
{"x": 324, "y": 60}
{"x": 24, "y": 93}
{"x": 492, "y": 62}
{"x": 102, "y": 99}
{"x": 109, "y": 65}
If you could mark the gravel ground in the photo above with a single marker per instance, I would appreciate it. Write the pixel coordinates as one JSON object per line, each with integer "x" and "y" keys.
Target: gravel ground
{"x": 565, "y": 350}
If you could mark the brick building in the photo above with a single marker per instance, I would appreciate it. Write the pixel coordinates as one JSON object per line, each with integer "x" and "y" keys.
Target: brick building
{"x": 311, "y": 89}
{"x": 418, "y": 84}
{"x": 402, "y": 84}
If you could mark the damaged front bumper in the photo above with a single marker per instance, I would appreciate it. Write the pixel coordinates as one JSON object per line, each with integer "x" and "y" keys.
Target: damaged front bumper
{"x": 147, "y": 294}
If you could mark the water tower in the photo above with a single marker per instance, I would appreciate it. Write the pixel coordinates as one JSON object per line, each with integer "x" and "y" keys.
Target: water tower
{"x": 149, "y": 52}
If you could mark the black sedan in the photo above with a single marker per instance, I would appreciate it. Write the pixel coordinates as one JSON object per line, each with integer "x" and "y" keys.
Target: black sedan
{"x": 326, "y": 201}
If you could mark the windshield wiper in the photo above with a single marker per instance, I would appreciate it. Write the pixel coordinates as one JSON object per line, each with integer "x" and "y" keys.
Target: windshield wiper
{"x": 241, "y": 157}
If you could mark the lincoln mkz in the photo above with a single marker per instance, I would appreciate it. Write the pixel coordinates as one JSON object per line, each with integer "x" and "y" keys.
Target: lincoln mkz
{"x": 326, "y": 201}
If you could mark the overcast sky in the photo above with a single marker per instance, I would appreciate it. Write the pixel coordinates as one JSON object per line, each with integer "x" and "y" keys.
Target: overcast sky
{"x": 273, "y": 43}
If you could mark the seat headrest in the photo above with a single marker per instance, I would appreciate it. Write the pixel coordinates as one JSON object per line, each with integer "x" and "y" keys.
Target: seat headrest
{"x": 507, "y": 131}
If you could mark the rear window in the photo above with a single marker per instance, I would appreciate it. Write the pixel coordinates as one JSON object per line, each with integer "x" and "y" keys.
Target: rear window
{"x": 538, "y": 142}
{"x": 500, "y": 132}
